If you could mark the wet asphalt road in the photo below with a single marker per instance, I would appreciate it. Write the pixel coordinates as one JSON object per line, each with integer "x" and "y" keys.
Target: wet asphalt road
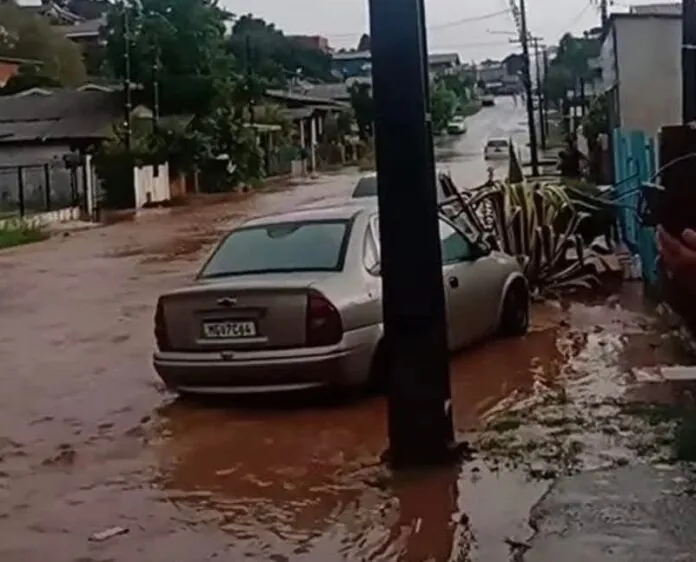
{"x": 89, "y": 439}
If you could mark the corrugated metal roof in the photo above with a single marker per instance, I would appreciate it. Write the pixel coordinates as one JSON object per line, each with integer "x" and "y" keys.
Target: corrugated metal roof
{"x": 330, "y": 91}
{"x": 64, "y": 114}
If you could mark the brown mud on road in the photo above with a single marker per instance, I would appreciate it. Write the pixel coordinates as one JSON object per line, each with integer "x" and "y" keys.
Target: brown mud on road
{"x": 90, "y": 441}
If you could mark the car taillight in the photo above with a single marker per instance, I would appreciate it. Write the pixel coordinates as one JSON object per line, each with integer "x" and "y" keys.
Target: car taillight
{"x": 161, "y": 334}
{"x": 324, "y": 325}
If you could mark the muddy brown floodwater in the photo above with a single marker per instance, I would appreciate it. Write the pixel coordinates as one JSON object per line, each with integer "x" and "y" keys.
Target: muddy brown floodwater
{"x": 89, "y": 440}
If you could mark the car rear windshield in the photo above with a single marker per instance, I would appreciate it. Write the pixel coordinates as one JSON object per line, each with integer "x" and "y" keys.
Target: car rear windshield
{"x": 367, "y": 187}
{"x": 280, "y": 248}
{"x": 498, "y": 143}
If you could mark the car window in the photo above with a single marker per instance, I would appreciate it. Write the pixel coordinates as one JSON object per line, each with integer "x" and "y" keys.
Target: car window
{"x": 498, "y": 143}
{"x": 280, "y": 247}
{"x": 366, "y": 187}
{"x": 455, "y": 248}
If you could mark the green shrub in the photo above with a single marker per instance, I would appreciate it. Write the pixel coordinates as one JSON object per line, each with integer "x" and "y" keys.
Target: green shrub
{"x": 19, "y": 231}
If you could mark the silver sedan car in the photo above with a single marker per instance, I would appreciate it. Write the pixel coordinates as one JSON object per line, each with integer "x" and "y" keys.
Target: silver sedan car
{"x": 292, "y": 301}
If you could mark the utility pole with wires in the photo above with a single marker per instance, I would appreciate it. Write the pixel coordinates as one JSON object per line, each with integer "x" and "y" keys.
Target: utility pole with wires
{"x": 249, "y": 77}
{"x": 540, "y": 94}
{"x": 155, "y": 89}
{"x": 520, "y": 16}
{"x": 688, "y": 61}
{"x": 546, "y": 92}
{"x": 604, "y": 11}
{"x": 127, "y": 86}
{"x": 414, "y": 352}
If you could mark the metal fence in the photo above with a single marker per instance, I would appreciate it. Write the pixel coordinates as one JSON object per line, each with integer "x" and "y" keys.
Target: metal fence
{"x": 28, "y": 190}
{"x": 634, "y": 164}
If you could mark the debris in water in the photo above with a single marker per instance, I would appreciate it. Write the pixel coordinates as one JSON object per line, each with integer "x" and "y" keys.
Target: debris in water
{"x": 517, "y": 545}
{"x": 108, "y": 534}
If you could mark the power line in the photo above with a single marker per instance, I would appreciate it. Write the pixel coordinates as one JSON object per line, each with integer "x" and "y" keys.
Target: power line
{"x": 578, "y": 17}
{"x": 436, "y": 27}
{"x": 469, "y": 20}
{"x": 462, "y": 46}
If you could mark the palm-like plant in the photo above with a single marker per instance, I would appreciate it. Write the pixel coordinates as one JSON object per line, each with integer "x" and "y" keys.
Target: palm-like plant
{"x": 540, "y": 225}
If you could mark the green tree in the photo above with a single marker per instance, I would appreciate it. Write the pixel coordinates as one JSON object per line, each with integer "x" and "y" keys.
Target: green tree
{"x": 443, "y": 105}
{"x": 187, "y": 40}
{"x": 28, "y": 36}
{"x": 272, "y": 55}
{"x": 570, "y": 64}
{"x": 459, "y": 84}
{"x": 363, "y": 109}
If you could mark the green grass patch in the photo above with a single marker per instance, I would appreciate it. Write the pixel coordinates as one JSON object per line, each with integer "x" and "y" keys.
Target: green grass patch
{"x": 18, "y": 232}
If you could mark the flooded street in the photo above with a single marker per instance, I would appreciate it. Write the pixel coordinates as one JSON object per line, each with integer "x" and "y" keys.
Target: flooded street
{"x": 90, "y": 440}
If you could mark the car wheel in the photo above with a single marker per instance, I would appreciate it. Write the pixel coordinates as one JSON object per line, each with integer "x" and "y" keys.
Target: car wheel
{"x": 515, "y": 320}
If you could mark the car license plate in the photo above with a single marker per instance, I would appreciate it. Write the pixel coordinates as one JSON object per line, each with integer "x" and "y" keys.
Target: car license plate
{"x": 229, "y": 329}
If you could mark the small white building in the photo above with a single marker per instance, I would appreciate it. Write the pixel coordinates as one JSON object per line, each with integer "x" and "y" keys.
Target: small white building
{"x": 641, "y": 69}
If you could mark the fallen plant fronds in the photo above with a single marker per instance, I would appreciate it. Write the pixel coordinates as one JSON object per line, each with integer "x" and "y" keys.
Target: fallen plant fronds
{"x": 542, "y": 226}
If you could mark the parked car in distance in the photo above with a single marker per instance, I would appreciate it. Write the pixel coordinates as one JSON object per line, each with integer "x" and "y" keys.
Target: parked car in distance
{"x": 488, "y": 100}
{"x": 457, "y": 126}
{"x": 496, "y": 149}
{"x": 293, "y": 301}
{"x": 367, "y": 188}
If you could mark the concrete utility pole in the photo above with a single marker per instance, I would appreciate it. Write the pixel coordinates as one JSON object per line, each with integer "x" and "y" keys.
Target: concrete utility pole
{"x": 415, "y": 330}
{"x": 546, "y": 92}
{"x": 604, "y": 11}
{"x": 524, "y": 38}
{"x": 249, "y": 77}
{"x": 689, "y": 60}
{"x": 127, "y": 87}
{"x": 155, "y": 89}
{"x": 540, "y": 95}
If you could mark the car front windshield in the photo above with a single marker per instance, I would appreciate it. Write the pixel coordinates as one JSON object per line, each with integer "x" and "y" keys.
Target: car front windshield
{"x": 280, "y": 248}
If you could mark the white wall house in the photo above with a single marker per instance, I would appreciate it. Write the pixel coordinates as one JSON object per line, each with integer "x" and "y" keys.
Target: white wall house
{"x": 641, "y": 69}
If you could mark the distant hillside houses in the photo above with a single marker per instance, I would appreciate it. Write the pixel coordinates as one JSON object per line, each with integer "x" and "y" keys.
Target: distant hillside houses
{"x": 355, "y": 64}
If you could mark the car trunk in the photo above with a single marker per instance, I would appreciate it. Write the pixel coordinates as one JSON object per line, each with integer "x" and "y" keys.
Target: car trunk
{"x": 236, "y": 316}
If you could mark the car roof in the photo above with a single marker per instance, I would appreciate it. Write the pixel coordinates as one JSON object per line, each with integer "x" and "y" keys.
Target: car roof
{"x": 497, "y": 141}
{"x": 337, "y": 211}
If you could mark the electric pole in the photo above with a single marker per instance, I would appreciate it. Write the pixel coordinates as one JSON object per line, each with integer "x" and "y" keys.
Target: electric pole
{"x": 540, "y": 96}
{"x": 155, "y": 90}
{"x": 128, "y": 105}
{"x": 688, "y": 61}
{"x": 604, "y": 11}
{"x": 546, "y": 92}
{"x": 524, "y": 38}
{"x": 415, "y": 328}
{"x": 249, "y": 78}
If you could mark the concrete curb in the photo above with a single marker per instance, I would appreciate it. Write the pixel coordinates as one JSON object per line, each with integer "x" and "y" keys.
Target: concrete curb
{"x": 677, "y": 326}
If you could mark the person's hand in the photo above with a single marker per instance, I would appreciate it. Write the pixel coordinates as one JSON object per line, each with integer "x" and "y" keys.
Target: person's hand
{"x": 678, "y": 254}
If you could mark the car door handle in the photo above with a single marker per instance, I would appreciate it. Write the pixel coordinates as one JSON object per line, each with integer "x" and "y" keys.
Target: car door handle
{"x": 453, "y": 282}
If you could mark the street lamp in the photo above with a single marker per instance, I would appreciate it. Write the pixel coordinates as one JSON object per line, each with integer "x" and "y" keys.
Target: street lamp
{"x": 415, "y": 330}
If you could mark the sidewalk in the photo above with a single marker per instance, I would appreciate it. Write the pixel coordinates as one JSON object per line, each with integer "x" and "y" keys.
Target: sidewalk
{"x": 631, "y": 514}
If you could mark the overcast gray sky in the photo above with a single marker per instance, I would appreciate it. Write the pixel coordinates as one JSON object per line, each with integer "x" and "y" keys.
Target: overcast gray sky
{"x": 343, "y": 21}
